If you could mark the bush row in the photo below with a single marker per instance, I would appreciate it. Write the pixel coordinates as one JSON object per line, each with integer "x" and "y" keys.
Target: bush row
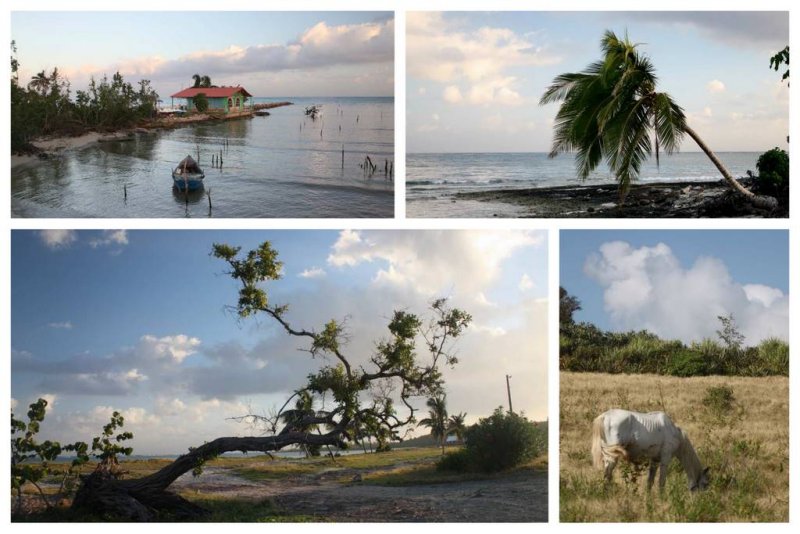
{"x": 586, "y": 348}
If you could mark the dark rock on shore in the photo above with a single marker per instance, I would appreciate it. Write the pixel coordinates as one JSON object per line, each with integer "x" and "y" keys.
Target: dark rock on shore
{"x": 658, "y": 200}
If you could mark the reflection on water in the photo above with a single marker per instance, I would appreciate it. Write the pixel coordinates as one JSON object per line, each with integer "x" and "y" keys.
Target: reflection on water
{"x": 276, "y": 166}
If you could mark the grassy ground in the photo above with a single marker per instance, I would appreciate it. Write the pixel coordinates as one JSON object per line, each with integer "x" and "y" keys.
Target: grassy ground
{"x": 262, "y": 489}
{"x": 745, "y": 443}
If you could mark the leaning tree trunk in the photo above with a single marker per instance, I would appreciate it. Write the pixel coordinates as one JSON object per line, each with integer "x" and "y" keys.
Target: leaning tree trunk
{"x": 759, "y": 201}
{"x": 144, "y": 499}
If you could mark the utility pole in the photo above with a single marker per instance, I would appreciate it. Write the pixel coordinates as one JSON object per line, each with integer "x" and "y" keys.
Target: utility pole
{"x": 508, "y": 387}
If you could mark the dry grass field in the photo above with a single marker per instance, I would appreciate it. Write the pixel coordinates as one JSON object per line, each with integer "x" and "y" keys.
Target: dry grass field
{"x": 744, "y": 439}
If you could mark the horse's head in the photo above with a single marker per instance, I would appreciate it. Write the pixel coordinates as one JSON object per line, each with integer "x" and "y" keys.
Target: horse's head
{"x": 702, "y": 481}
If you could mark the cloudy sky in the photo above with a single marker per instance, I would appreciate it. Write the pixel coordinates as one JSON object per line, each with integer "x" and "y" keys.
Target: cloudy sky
{"x": 137, "y": 322}
{"x": 475, "y": 79}
{"x": 676, "y": 283}
{"x": 269, "y": 53}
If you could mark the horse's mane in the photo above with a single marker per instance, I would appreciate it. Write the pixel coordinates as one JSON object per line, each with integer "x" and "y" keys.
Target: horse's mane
{"x": 688, "y": 458}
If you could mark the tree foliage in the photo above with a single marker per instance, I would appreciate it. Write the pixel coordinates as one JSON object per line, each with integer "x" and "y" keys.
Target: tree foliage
{"x": 609, "y": 110}
{"x": 201, "y": 81}
{"x": 500, "y": 441}
{"x": 361, "y": 399}
{"x": 46, "y": 105}
{"x": 437, "y": 420}
{"x": 773, "y": 171}
{"x": 586, "y": 348}
{"x": 781, "y": 58}
{"x": 32, "y": 461}
{"x": 612, "y": 111}
{"x": 200, "y": 102}
{"x": 567, "y": 306}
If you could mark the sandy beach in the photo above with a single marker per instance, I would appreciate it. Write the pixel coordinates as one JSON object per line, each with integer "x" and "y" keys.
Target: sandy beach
{"x": 55, "y": 144}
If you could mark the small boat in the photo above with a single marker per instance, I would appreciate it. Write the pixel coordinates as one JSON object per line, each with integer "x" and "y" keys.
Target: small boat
{"x": 188, "y": 175}
{"x": 261, "y": 113}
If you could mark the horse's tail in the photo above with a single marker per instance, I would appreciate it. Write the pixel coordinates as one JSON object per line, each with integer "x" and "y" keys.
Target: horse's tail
{"x": 600, "y": 450}
{"x": 598, "y": 437}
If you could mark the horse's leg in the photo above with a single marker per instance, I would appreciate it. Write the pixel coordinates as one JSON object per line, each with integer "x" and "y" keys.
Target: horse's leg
{"x": 662, "y": 475}
{"x": 610, "y": 464}
{"x": 651, "y": 477}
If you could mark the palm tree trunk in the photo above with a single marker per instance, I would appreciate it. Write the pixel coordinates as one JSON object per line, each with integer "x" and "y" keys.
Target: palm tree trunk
{"x": 759, "y": 201}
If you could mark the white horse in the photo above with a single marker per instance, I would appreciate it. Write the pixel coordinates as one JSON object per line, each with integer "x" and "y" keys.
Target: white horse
{"x": 638, "y": 437}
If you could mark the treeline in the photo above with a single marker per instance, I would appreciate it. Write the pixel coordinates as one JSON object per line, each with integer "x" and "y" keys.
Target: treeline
{"x": 586, "y": 348}
{"x": 45, "y": 106}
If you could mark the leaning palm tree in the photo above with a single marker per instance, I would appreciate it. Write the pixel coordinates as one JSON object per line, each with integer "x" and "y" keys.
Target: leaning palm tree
{"x": 457, "y": 426}
{"x": 612, "y": 109}
{"x": 437, "y": 418}
{"x": 197, "y": 79}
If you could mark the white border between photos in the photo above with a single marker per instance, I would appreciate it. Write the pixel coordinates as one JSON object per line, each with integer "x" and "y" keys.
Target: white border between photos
{"x": 400, "y": 7}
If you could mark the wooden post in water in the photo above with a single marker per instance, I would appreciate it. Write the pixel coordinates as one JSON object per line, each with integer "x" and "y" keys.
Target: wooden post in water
{"x": 208, "y": 194}
{"x": 125, "y": 191}
{"x": 342, "y": 156}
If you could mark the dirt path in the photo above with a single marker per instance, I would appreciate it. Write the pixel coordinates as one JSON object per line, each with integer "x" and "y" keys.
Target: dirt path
{"x": 519, "y": 497}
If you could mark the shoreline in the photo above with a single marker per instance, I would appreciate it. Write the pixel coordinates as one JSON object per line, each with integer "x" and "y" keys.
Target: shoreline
{"x": 47, "y": 147}
{"x": 691, "y": 199}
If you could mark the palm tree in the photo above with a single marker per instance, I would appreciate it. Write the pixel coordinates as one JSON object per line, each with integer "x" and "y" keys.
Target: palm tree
{"x": 205, "y": 81}
{"x": 611, "y": 110}
{"x": 294, "y": 419}
{"x": 40, "y": 83}
{"x": 437, "y": 418}
{"x": 456, "y": 425}
{"x": 196, "y": 78}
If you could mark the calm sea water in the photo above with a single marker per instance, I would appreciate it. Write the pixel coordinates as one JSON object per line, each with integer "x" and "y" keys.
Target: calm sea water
{"x": 276, "y": 166}
{"x": 432, "y": 179}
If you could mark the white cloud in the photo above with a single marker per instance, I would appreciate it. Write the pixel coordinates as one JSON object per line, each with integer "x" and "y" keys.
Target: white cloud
{"x": 525, "y": 283}
{"x": 175, "y": 348}
{"x": 110, "y": 237}
{"x": 169, "y": 407}
{"x": 765, "y": 295}
{"x": 433, "y": 262}
{"x": 56, "y": 239}
{"x": 366, "y": 49}
{"x": 648, "y": 288}
{"x": 452, "y": 94}
{"x": 473, "y": 63}
{"x": 135, "y": 376}
{"x": 313, "y": 272}
{"x": 492, "y": 331}
{"x": 63, "y": 325}
{"x": 14, "y": 403}
{"x": 715, "y": 86}
{"x": 483, "y": 301}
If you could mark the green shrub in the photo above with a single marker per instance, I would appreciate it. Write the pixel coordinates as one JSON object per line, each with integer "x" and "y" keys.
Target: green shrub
{"x": 688, "y": 363}
{"x": 719, "y": 399}
{"x": 773, "y": 357}
{"x": 455, "y": 461}
{"x": 200, "y": 102}
{"x": 773, "y": 170}
{"x": 502, "y": 440}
